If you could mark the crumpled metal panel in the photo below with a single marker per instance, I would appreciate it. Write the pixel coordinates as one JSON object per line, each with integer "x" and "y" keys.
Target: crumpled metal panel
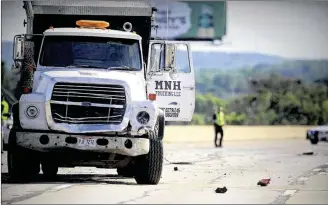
{"x": 86, "y": 7}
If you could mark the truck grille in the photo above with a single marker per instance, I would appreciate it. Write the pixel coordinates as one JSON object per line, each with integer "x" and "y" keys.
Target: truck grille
{"x": 88, "y": 103}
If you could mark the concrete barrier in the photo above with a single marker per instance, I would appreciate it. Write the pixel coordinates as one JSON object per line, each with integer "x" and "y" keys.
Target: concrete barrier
{"x": 204, "y": 134}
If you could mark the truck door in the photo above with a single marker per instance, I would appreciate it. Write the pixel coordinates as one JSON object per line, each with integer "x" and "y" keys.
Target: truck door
{"x": 171, "y": 79}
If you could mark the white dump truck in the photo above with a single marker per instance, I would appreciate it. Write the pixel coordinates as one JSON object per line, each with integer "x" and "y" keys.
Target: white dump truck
{"x": 96, "y": 89}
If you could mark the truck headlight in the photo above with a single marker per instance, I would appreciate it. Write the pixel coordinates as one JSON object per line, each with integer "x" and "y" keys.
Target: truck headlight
{"x": 143, "y": 117}
{"x": 32, "y": 111}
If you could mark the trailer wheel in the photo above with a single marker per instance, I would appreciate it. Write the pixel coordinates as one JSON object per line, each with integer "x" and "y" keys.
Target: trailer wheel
{"x": 149, "y": 167}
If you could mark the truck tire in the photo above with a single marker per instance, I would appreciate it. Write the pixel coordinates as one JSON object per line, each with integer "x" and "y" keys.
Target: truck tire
{"x": 49, "y": 170}
{"x": 315, "y": 140}
{"x": 126, "y": 171}
{"x": 22, "y": 164}
{"x": 149, "y": 167}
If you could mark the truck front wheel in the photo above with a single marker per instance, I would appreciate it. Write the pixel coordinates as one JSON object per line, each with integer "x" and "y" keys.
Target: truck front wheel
{"x": 49, "y": 169}
{"x": 126, "y": 171}
{"x": 22, "y": 164}
{"x": 149, "y": 167}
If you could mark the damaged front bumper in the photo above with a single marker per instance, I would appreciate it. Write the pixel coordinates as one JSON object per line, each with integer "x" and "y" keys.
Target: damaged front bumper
{"x": 49, "y": 142}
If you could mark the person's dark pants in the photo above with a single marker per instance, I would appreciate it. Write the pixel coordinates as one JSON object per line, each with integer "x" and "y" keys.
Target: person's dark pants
{"x": 218, "y": 129}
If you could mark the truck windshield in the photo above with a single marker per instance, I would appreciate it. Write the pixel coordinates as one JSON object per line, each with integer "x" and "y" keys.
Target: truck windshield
{"x": 91, "y": 52}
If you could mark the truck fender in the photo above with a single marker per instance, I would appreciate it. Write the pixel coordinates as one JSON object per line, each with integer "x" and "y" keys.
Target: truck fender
{"x": 161, "y": 124}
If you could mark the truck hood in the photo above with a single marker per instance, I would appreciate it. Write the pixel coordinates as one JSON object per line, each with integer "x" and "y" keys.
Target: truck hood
{"x": 131, "y": 80}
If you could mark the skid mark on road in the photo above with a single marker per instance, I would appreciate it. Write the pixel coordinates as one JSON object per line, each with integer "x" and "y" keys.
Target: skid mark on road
{"x": 290, "y": 192}
{"x": 63, "y": 186}
{"x": 144, "y": 195}
{"x": 301, "y": 180}
{"x": 25, "y": 196}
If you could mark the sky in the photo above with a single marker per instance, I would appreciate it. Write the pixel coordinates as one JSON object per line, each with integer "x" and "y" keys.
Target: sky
{"x": 291, "y": 29}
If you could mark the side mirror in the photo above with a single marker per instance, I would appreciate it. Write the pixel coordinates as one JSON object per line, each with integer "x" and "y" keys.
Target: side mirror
{"x": 170, "y": 50}
{"x": 18, "y": 51}
{"x": 18, "y": 54}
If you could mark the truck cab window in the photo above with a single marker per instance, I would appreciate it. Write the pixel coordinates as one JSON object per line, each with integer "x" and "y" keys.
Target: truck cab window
{"x": 93, "y": 52}
{"x": 157, "y": 57}
{"x": 182, "y": 59}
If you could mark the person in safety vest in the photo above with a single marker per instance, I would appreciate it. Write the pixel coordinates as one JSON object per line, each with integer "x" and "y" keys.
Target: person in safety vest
{"x": 4, "y": 109}
{"x": 218, "y": 122}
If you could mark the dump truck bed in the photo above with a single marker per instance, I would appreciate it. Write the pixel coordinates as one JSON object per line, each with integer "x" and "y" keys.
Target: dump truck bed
{"x": 64, "y": 13}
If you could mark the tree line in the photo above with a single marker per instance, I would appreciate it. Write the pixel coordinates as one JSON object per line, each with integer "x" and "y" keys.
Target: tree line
{"x": 265, "y": 95}
{"x": 296, "y": 94}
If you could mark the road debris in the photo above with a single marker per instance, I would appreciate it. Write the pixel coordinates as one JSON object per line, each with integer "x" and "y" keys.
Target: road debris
{"x": 308, "y": 153}
{"x": 175, "y": 168}
{"x": 264, "y": 182}
{"x": 182, "y": 163}
{"x": 221, "y": 190}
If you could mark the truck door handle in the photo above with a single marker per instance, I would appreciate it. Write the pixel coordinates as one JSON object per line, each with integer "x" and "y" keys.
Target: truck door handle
{"x": 190, "y": 88}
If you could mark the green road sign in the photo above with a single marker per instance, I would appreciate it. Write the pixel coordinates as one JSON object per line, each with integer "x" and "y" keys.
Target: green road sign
{"x": 197, "y": 20}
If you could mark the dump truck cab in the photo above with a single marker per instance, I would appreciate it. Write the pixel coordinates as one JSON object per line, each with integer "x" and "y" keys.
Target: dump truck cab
{"x": 91, "y": 97}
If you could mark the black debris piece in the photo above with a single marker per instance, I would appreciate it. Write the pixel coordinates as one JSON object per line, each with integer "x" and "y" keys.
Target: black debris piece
{"x": 221, "y": 190}
{"x": 308, "y": 153}
{"x": 182, "y": 163}
{"x": 175, "y": 168}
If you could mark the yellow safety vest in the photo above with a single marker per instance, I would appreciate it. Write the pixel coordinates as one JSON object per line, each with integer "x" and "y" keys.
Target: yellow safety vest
{"x": 5, "y": 110}
{"x": 220, "y": 118}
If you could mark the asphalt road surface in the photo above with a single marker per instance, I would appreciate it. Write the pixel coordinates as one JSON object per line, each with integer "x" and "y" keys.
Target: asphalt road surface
{"x": 295, "y": 178}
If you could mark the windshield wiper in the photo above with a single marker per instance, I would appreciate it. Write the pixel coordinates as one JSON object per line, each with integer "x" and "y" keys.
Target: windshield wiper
{"x": 124, "y": 67}
{"x": 82, "y": 66}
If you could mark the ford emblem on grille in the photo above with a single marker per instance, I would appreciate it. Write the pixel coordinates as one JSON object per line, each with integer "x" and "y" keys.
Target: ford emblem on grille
{"x": 86, "y": 104}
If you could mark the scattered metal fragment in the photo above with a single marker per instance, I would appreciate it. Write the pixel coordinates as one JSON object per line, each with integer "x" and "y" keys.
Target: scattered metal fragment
{"x": 221, "y": 190}
{"x": 264, "y": 182}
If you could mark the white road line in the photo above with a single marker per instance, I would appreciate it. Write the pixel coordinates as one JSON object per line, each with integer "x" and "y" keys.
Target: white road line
{"x": 289, "y": 192}
{"x": 57, "y": 188}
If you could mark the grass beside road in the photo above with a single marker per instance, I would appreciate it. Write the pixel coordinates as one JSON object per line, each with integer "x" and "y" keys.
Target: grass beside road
{"x": 205, "y": 134}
